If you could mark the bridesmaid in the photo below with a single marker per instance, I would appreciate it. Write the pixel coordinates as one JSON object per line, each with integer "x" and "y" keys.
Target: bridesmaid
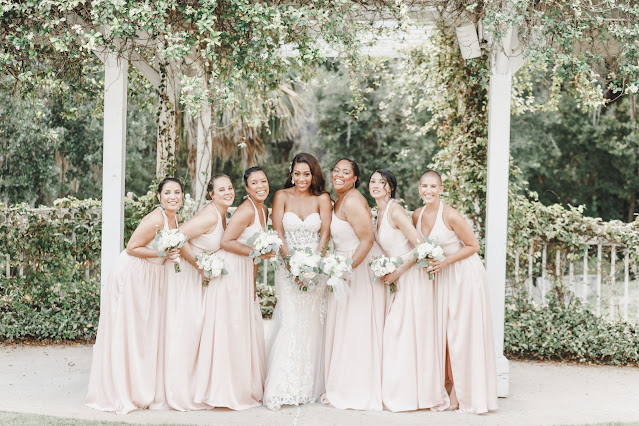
{"x": 125, "y": 356}
{"x": 230, "y": 368}
{"x": 412, "y": 374}
{"x": 185, "y": 296}
{"x": 466, "y": 332}
{"x": 353, "y": 348}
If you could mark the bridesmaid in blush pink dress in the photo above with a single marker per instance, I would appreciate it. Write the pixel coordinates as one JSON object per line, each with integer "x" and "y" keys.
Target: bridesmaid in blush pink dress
{"x": 353, "y": 348}
{"x": 230, "y": 369}
{"x": 412, "y": 373}
{"x": 466, "y": 332}
{"x": 185, "y": 295}
{"x": 125, "y": 368}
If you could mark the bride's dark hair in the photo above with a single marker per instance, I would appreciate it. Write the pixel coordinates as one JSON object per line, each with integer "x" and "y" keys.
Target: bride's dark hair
{"x": 318, "y": 184}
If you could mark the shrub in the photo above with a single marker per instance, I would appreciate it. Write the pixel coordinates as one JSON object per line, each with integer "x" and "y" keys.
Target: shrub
{"x": 565, "y": 330}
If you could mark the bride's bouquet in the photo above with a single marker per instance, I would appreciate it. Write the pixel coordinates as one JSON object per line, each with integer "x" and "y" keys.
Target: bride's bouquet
{"x": 337, "y": 268}
{"x": 168, "y": 240}
{"x": 305, "y": 265}
{"x": 211, "y": 264}
{"x": 382, "y": 265}
{"x": 262, "y": 243}
{"x": 428, "y": 251}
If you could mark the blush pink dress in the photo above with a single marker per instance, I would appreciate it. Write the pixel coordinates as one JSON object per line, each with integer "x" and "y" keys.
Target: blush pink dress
{"x": 125, "y": 368}
{"x": 412, "y": 367}
{"x": 231, "y": 369}
{"x": 185, "y": 296}
{"x": 353, "y": 347}
{"x": 465, "y": 324}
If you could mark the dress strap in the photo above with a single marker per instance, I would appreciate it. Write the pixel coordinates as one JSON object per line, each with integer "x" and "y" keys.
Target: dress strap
{"x": 219, "y": 215}
{"x": 257, "y": 217}
{"x": 440, "y": 218}
{"x": 388, "y": 207}
{"x": 166, "y": 219}
{"x": 419, "y": 221}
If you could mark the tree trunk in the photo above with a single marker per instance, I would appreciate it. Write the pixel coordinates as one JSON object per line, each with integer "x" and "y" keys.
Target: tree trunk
{"x": 167, "y": 122}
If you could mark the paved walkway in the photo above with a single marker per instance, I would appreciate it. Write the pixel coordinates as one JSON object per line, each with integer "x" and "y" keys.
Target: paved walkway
{"x": 53, "y": 380}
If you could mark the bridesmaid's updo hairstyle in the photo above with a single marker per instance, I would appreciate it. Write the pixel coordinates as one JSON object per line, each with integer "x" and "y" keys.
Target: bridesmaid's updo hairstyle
{"x": 318, "y": 184}
{"x": 433, "y": 173}
{"x": 390, "y": 179}
{"x": 250, "y": 171}
{"x": 355, "y": 167}
{"x": 211, "y": 185}
{"x": 167, "y": 180}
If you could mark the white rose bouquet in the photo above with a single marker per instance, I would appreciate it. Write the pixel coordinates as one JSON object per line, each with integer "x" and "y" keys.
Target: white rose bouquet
{"x": 382, "y": 265}
{"x": 305, "y": 265}
{"x": 262, "y": 243}
{"x": 168, "y": 240}
{"x": 337, "y": 268}
{"x": 211, "y": 264}
{"x": 428, "y": 251}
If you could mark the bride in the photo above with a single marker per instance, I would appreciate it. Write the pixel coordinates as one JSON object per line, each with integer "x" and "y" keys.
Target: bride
{"x": 302, "y": 218}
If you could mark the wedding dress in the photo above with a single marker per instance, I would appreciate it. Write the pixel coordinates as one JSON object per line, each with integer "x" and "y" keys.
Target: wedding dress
{"x": 294, "y": 365}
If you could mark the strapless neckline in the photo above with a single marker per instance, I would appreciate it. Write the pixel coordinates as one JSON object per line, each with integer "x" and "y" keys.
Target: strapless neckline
{"x": 299, "y": 218}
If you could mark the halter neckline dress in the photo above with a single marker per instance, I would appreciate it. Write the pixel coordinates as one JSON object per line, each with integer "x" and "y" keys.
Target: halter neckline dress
{"x": 465, "y": 324}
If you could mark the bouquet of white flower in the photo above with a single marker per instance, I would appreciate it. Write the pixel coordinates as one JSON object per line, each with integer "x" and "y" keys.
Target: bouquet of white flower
{"x": 262, "y": 243}
{"x": 428, "y": 251}
{"x": 382, "y": 265}
{"x": 211, "y": 264}
{"x": 305, "y": 265}
{"x": 168, "y": 240}
{"x": 337, "y": 268}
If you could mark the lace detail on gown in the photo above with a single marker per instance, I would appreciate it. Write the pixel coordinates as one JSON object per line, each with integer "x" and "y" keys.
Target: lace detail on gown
{"x": 294, "y": 370}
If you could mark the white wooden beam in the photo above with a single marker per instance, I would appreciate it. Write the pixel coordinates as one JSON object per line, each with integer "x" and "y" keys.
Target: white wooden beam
{"x": 499, "y": 94}
{"x": 114, "y": 155}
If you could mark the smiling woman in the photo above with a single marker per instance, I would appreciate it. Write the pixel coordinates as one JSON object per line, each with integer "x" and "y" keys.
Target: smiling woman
{"x": 302, "y": 218}
{"x": 232, "y": 330}
{"x": 125, "y": 368}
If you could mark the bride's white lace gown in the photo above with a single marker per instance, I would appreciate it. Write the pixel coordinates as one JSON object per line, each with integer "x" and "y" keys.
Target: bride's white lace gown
{"x": 294, "y": 362}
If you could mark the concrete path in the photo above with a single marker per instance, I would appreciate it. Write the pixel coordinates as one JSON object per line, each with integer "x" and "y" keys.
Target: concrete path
{"x": 53, "y": 380}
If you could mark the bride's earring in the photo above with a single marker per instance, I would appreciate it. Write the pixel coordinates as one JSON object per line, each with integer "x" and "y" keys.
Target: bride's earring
{"x": 292, "y": 180}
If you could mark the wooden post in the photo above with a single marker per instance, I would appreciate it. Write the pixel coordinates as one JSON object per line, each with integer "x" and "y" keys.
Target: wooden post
{"x": 114, "y": 154}
{"x": 499, "y": 94}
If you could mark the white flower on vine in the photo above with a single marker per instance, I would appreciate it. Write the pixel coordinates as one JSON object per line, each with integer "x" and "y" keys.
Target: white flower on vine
{"x": 241, "y": 145}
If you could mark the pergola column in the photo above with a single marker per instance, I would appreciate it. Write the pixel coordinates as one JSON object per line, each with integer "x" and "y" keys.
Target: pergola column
{"x": 113, "y": 155}
{"x": 499, "y": 95}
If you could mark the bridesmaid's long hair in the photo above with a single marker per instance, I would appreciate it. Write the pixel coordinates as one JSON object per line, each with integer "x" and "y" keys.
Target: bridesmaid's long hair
{"x": 318, "y": 184}
{"x": 390, "y": 179}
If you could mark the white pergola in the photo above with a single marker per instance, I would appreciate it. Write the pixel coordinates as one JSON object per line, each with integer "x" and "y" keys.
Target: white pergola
{"x": 503, "y": 66}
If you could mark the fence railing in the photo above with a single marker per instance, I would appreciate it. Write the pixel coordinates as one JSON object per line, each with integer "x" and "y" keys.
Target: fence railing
{"x": 600, "y": 274}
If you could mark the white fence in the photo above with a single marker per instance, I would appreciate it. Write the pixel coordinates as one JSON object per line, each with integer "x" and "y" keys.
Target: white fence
{"x": 601, "y": 275}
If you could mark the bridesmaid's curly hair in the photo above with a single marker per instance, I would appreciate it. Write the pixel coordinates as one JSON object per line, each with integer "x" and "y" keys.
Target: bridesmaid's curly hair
{"x": 318, "y": 183}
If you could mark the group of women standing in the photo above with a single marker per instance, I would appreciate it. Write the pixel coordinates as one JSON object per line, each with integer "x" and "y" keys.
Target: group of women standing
{"x": 165, "y": 341}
